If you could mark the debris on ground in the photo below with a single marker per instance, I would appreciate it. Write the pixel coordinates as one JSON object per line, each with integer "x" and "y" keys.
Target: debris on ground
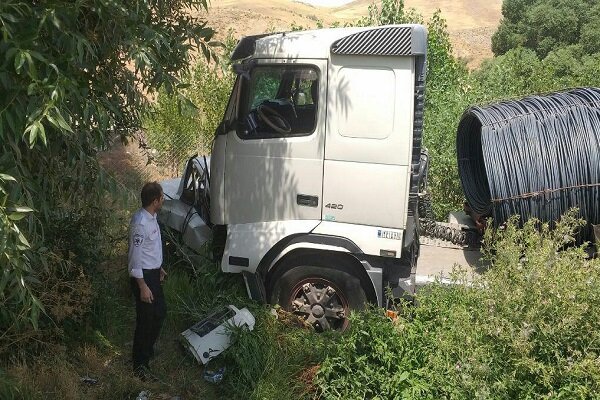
{"x": 212, "y": 335}
{"x": 214, "y": 376}
{"x": 88, "y": 380}
{"x": 144, "y": 395}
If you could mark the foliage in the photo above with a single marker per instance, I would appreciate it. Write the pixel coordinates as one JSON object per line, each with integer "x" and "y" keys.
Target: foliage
{"x": 520, "y": 72}
{"x": 542, "y": 46}
{"x": 447, "y": 96}
{"x": 172, "y": 132}
{"x": 547, "y": 25}
{"x": 175, "y": 129}
{"x": 389, "y": 12}
{"x": 526, "y": 329}
{"x": 73, "y": 76}
{"x": 516, "y": 73}
{"x": 276, "y": 360}
{"x": 15, "y": 251}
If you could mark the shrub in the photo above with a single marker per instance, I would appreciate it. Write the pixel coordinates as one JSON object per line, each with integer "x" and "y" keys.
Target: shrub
{"x": 177, "y": 126}
{"x": 546, "y": 25}
{"x": 526, "y": 329}
{"x": 75, "y": 76}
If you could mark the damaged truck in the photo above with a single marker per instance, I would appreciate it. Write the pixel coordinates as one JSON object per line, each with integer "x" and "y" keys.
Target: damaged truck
{"x": 315, "y": 184}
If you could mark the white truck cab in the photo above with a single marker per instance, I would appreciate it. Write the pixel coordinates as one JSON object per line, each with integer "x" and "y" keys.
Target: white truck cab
{"x": 315, "y": 170}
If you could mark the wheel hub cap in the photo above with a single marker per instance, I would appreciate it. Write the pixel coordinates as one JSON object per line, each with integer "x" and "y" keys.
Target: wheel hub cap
{"x": 319, "y": 304}
{"x": 318, "y": 311}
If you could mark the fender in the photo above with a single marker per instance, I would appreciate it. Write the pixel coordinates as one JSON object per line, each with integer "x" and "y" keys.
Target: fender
{"x": 305, "y": 240}
{"x": 371, "y": 277}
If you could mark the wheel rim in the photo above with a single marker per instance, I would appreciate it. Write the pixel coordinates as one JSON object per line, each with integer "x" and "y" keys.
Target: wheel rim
{"x": 320, "y": 303}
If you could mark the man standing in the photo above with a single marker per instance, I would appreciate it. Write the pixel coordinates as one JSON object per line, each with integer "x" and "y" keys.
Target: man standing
{"x": 147, "y": 274}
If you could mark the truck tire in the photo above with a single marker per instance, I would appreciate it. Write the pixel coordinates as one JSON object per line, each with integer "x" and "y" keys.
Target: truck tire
{"x": 322, "y": 296}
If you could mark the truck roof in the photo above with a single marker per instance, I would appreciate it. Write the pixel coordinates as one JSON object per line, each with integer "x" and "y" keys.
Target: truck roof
{"x": 388, "y": 40}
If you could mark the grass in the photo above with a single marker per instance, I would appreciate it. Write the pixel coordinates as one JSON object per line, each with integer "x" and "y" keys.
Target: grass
{"x": 529, "y": 329}
{"x": 275, "y": 360}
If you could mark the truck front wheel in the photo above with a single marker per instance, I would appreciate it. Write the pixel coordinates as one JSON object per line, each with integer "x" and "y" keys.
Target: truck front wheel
{"x": 322, "y": 296}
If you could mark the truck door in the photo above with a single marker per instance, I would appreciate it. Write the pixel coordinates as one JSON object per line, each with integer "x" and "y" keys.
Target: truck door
{"x": 274, "y": 157}
{"x": 369, "y": 140}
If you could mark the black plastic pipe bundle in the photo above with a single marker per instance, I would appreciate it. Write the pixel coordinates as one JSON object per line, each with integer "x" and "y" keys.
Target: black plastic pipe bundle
{"x": 537, "y": 157}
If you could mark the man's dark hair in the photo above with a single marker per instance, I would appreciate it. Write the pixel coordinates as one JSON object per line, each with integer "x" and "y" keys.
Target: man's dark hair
{"x": 150, "y": 192}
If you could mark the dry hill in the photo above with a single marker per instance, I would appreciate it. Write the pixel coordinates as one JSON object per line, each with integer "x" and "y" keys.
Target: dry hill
{"x": 471, "y": 23}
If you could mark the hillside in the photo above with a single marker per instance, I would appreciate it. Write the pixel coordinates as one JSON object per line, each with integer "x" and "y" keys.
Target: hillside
{"x": 470, "y": 23}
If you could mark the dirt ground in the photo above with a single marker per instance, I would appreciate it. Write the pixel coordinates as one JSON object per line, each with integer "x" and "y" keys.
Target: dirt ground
{"x": 128, "y": 163}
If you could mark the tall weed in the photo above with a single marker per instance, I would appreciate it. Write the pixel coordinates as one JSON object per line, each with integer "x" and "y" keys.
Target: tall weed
{"x": 526, "y": 329}
{"x": 276, "y": 360}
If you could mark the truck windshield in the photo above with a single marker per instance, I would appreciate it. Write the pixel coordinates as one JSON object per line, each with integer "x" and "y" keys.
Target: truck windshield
{"x": 279, "y": 100}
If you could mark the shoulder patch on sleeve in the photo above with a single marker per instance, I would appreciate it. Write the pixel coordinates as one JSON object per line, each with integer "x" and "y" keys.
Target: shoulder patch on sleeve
{"x": 137, "y": 235}
{"x": 138, "y": 239}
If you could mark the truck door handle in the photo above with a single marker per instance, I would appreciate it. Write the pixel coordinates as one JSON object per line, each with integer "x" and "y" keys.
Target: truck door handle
{"x": 307, "y": 200}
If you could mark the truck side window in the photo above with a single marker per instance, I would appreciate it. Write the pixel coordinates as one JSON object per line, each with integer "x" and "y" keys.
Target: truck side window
{"x": 279, "y": 101}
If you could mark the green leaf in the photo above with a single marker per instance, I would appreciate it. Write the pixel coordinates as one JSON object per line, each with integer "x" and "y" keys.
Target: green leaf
{"x": 24, "y": 240}
{"x": 55, "y": 21}
{"x": 32, "y": 88}
{"x": 6, "y": 177}
{"x": 403, "y": 376}
{"x": 16, "y": 216}
{"x": 41, "y": 132}
{"x": 19, "y": 61}
{"x": 32, "y": 130}
{"x": 31, "y": 65}
{"x": 37, "y": 56}
{"x": 9, "y": 17}
{"x": 56, "y": 119}
{"x": 80, "y": 52}
{"x": 21, "y": 209}
{"x": 35, "y": 313}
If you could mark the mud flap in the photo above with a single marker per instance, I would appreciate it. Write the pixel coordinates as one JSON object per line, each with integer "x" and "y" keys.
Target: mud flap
{"x": 255, "y": 286}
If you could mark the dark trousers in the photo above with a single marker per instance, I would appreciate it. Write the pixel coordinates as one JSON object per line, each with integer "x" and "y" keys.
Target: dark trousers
{"x": 149, "y": 318}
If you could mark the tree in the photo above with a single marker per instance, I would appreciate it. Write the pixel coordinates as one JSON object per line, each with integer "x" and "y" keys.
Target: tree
{"x": 547, "y": 25}
{"x": 445, "y": 100}
{"x": 178, "y": 130}
{"x": 75, "y": 75}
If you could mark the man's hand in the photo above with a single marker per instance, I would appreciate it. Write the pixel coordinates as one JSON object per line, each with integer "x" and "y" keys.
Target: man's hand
{"x": 163, "y": 274}
{"x": 145, "y": 293}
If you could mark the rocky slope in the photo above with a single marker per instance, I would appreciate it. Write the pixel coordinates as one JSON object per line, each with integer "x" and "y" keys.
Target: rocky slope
{"x": 471, "y": 23}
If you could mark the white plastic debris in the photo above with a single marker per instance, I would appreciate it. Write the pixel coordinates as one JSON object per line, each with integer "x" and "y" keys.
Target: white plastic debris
{"x": 211, "y": 336}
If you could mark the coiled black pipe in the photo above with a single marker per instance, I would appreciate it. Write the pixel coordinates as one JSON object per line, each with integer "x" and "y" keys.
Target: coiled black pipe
{"x": 536, "y": 157}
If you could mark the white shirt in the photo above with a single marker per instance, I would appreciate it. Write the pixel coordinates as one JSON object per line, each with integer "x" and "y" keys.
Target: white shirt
{"x": 145, "y": 245}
